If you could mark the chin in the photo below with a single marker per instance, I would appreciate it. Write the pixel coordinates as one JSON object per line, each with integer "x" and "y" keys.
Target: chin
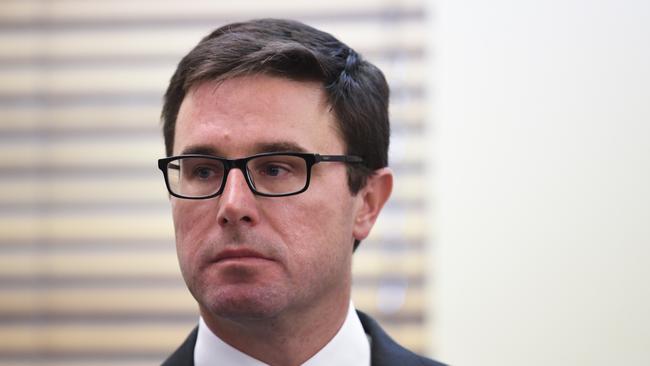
{"x": 244, "y": 302}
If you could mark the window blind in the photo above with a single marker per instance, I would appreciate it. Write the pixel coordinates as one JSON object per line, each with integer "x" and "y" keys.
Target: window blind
{"x": 88, "y": 272}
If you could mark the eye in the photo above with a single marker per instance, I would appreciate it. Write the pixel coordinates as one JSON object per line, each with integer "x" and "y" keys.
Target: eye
{"x": 273, "y": 170}
{"x": 203, "y": 172}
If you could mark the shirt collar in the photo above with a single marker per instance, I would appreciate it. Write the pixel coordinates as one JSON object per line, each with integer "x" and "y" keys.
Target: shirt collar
{"x": 349, "y": 346}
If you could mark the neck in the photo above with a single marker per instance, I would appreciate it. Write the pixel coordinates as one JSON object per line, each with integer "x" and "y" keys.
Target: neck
{"x": 282, "y": 339}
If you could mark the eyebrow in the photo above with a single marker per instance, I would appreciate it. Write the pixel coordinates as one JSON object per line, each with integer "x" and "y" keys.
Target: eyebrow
{"x": 279, "y": 146}
{"x": 200, "y": 149}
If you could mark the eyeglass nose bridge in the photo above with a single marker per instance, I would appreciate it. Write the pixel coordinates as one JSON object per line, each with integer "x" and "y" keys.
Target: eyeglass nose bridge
{"x": 239, "y": 164}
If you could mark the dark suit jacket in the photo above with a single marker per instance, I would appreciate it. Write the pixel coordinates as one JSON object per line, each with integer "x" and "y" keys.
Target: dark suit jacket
{"x": 383, "y": 350}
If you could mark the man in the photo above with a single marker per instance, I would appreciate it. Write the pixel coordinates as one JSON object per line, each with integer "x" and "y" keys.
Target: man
{"x": 277, "y": 138}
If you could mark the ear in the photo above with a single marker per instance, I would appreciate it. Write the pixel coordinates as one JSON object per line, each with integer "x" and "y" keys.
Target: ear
{"x": 371, "y": 199}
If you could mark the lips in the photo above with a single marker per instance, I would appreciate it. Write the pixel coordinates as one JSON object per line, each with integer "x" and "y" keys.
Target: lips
{"x": 228, "y": 254}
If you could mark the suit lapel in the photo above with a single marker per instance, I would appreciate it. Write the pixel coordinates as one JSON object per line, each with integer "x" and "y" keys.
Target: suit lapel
{"x": 384, "y": 351}
{"x": 184, "y": 355}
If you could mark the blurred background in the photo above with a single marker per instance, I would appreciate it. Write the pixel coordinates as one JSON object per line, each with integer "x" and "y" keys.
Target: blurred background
{"x": 518, "y": 232}
{"x": 88, "y": 266}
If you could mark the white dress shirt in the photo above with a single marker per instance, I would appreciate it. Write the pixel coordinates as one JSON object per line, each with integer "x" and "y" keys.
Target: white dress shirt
{"x": 349, "y": 347}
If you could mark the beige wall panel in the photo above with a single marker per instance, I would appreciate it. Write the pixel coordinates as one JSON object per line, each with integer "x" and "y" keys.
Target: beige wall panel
{"x": 372, "y": 299}
{"x": 93, "y": 337}
{"x": 80, "y": 362}
{"x": 91, "y": 265}
{"x": 375, "y": 263}
{"x": 407, "y": 226}
{"x": 17, "y": 10}
{"x": 80, "y": 153}
{"x": 95, "y": 301}
{"x": 83, "y": 226}
{"x": 82, "y": 117}
{"x": 80, "y": 10}
{"x": 86, "y": 190}
{"x": 100, "y": 80}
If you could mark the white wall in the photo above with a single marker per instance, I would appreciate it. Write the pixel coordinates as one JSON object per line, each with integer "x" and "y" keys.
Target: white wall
{"x": 541, "y": 126}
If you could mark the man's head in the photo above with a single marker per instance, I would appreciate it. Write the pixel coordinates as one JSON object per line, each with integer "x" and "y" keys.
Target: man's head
{"x": 263, "y": 87}
{"x": 355, "y": 90}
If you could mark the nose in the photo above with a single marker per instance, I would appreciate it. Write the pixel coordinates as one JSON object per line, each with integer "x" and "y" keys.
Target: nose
{"x": 237, "y": 203}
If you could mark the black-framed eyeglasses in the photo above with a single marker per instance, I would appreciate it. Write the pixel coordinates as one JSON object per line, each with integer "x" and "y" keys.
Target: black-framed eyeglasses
{"x": 275, "y": 174}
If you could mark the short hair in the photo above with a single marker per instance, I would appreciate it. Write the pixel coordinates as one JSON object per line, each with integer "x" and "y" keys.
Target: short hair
{"x": 356, "y": 90}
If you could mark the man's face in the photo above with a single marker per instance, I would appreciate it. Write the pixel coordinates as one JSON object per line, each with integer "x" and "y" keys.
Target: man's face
{"x": 248, "y": 256}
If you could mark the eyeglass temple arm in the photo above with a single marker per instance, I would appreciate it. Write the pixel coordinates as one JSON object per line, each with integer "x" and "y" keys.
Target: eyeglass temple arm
{"x": 343, "y": 158}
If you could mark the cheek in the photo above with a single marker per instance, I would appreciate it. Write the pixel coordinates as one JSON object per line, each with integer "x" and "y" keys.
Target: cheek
{"x": 191, "y": 224}
{"x": 317, "y": 232}
{"x": 191, "y": 216}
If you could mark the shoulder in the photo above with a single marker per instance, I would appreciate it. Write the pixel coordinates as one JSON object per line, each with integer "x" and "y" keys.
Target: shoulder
{"x": 184, "y": 355}
{"x": 385, "y": 351}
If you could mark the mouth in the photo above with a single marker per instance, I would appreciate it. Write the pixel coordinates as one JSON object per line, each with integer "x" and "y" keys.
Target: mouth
{"x": 239, "y": 255}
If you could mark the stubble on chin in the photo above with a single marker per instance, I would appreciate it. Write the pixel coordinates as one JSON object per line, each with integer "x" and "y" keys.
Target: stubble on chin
{"x": 242, "y": 301}
{"x": 250, "y": 291}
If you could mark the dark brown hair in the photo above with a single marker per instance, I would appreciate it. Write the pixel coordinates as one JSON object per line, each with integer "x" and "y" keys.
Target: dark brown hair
{"x": 356, "y": 90}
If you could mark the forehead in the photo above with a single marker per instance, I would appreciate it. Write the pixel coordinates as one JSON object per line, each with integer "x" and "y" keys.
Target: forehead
{"x": 237, "y": 116}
